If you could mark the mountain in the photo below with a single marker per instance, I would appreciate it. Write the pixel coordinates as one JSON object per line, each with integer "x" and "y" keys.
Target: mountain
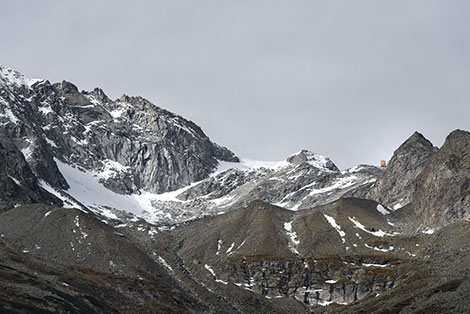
{"x": 129, "y": 145}
{"x": 443, "y": 187}
{"x": 303, "y": 180}
{"x": 119, "y": 157}
{"x": 396, "y": 187}
{"x": 119, "y": 206}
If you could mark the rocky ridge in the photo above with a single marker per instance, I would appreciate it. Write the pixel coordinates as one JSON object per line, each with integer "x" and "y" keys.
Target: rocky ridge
{"x": 137, "y": 144}
{"x": 303, "y": 180}
{"x": 445, "y": 198}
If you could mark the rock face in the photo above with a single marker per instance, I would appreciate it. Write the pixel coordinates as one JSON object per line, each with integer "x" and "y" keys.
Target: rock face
{"x": 443, "y": 187}
{"x": 396, "y": 186}
{"x": 139, "y": 145}
{"x": 18, "y": 184}
{"x": 279, "y": 253}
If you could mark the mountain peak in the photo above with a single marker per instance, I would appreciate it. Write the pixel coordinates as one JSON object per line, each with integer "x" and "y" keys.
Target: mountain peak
{"x": 397, "y": 185}
{"x": 68, "y": 87}
{"x": 416, "y": 137}
{"x": 11, "y": 77}
{"x": 414, "y": 147}
{"x": 459, "y": 138}
{"x": 99, "y": 95}
{"x": 316, "y": 160}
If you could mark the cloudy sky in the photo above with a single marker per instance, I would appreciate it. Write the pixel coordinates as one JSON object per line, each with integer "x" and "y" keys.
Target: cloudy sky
{"x": 347, "y": 79}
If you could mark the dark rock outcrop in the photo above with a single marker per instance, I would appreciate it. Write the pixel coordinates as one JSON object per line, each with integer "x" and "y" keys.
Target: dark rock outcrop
{"x": 18, "y": 184}
{"x": 442, "y": 192}
{"x": 55, "y": 260}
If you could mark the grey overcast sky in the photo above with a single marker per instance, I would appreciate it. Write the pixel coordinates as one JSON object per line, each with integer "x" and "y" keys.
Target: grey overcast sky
{"x": 348, "y": 79}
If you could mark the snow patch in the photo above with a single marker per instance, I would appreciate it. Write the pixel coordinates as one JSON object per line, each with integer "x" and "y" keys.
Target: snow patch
{"x": 68, "y": 203}
{"x": 9, "y": 114}
{"x": 341, "y": 183}
{"x": 249, "y": 164}
{"x": 229, "y": 250}
{"x": 117, "y": 113}
{"x": 17, "y": 182}
{"x": 326, "y": 303}
{"x": 111, "y": 168}
{"x": 45, "y": 110}
{"x": 152, "y": 232}
{"x": 77, "y": 224}
{"x": 382, "y": 210}
{"x": 397, "y": 206}
{"x": 164, "y": 263}
{"x": 378, "y": 233}
{"x": 180, "y": 124}
{"x": 240, "y": 245}
{"x": 27, "y": 152}
{"x": 213, "y": 274}
{"x": 390, "y": 248}
{"x": 375, "y": 265}
{"x": 219, "y": 246}
{"x": 224, "y": 200}
{"x": 50, "y": 142}
{"x": 172, "y": 196}
{"x": 11, "y": 77}
{"x": 85, "y": 186}
{"x": 293, "y": 240}
{"x": 355, "y": 169}
{"x": 337, "y": 227}
{"x": 210, "y": 270}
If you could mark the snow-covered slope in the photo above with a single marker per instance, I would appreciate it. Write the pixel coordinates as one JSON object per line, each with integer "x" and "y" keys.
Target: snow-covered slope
{"x": 10, "y": 77}
{"x": 303, "y": 180}
{"x": 231, "y": 186}
{"x": 130, "y": 144}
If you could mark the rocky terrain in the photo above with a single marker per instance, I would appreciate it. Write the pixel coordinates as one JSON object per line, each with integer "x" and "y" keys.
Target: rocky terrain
{"x": 397, "y": 184}
{"x": 119, "y": 206}
{"x": 130, "y": 141}
{"x": 435, "y": 202}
